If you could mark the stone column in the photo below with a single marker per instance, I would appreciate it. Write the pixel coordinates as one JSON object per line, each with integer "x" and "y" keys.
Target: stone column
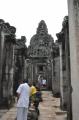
{"x": 52, "y": 74}
{"x": 73, "y": 10}
{"x": 32, "y": 72}
{"x": 11, "y": 72}
{"x": 1, "y": 59}
{"x": 25, "y": 69}
{"x": 8, "y": 72}
{"x": 68, "y": 78}
{"x": 61, "y": 77}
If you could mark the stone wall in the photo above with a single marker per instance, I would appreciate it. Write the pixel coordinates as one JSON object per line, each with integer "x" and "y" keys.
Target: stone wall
{"x": 56, "y": 76}
{"x": 73, "y": 11}
{"x": 20, "y": 64}
{"x": 7, "y": 41}
{"x": 63, "y": 40}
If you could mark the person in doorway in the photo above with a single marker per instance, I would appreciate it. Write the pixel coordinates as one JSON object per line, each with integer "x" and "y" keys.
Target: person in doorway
{"x": 39, "y": 83}
{"x": 23, "y": 93}
{"x": 44, "y": 82}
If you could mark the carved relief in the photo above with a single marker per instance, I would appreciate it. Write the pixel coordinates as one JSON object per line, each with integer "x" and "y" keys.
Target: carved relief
{"x": 7, "y": 28}
{"x": 39, "y": 53}
{"x": 42, "y": 28}
{"x": 41, "y": 42}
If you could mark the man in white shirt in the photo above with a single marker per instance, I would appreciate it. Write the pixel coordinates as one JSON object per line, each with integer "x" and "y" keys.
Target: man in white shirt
{"x": 23, "y": 93}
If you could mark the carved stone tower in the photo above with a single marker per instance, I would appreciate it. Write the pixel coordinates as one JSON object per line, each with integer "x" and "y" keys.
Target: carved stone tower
{"x": 39, "y": 55}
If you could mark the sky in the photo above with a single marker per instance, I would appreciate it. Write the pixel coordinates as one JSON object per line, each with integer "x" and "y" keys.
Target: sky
{"x": 25, "y": 15}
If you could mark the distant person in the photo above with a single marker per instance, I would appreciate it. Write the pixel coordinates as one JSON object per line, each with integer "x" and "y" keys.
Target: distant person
{"x": 44, "y": 83}
{"x": 39, "y": 81}
{"x": 23, "y": 93}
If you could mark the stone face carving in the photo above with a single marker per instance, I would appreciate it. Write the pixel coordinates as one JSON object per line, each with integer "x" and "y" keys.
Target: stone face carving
{"x": 40, "y": 43}
{"x": 65, "y": 22}
{"x": 42, "y": 28}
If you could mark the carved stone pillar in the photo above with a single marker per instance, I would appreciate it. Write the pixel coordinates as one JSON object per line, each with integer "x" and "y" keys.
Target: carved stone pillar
{"x": 32, "y": 73}
{"x": 73, "y": 10}
{"x": 1, "y": 59}
{"x": 8, "y": 69}
{"x": 52, "y": 74}
{"x": 7, "y": 40}
{"x": 61, "y": 78}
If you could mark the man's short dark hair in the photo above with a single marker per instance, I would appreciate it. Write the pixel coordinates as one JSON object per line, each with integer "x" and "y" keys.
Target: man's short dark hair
{"x": 25, "y": 81}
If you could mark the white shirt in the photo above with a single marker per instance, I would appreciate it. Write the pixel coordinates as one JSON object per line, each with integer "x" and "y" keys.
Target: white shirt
{"x": 24, "y": 91}
{"x": 44, "y": 82}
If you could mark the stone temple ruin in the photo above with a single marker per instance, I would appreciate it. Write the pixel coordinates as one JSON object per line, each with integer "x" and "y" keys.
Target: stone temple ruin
{"x": 56, "y": 61}
{"x": 42, "y": 59}
{"x": 39, "y": 54}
